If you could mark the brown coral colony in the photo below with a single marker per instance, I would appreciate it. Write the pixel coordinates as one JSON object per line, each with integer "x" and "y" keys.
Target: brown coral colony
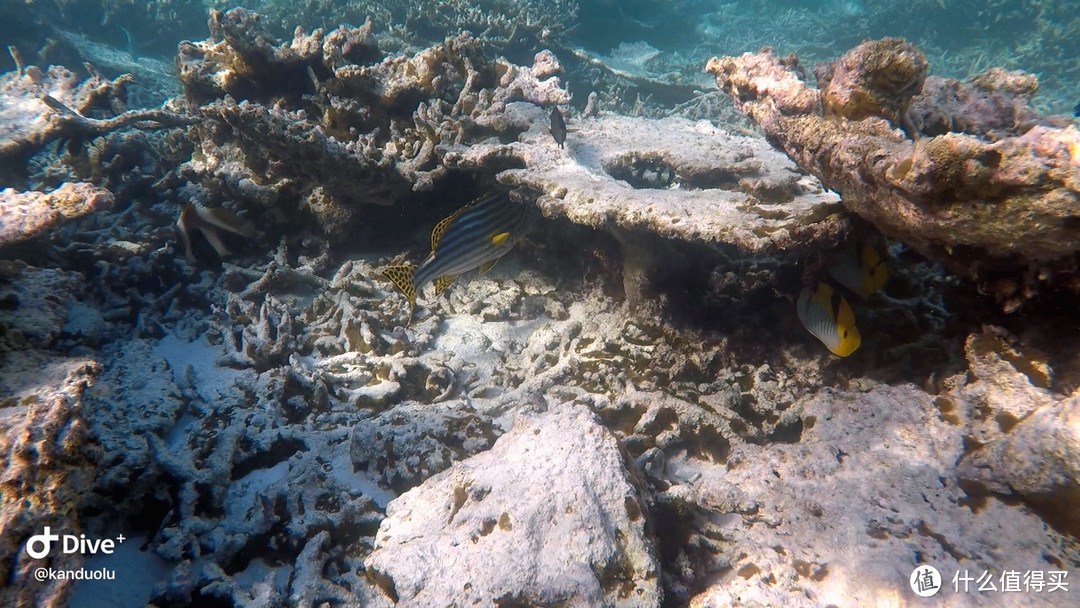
{"x": 963, "y": 172}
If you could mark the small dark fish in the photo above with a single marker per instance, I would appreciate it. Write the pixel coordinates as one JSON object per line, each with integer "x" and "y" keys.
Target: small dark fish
{"x": 1076, "y": 110}
{"x": 558, "y": 126}
{"x": 475, "y": 236}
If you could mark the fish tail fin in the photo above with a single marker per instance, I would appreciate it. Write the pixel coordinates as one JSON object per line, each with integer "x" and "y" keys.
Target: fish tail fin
{"x": 401, "y": 276}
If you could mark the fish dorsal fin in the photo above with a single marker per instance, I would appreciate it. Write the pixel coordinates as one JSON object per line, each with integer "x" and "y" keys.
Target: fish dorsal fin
{"x": 500, "y": 239}
{"x": 440, "y": 228}
{"x": 443, "y": 282}
{"x": 401, "y": 276}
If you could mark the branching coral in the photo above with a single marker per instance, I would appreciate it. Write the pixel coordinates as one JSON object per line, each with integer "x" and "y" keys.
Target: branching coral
{"x": 41, "y": 108}
{"x": 368, "y": 129}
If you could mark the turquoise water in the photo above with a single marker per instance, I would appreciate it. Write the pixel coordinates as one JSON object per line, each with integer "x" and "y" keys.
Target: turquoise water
{"x": 960, "y": 37}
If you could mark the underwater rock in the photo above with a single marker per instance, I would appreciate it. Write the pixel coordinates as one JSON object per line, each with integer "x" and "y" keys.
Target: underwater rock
{"x": 47, "y": 464}
{"x": 135, "y": 397}
{"x": 1025, "y": 440}
{"x": 1038, "y": 460}
{"x": 35, "y": 306}
{"x": 411, "y": 442}
{"x": 679, "y": 179}
{"x": 998, "y": 212}
{"x": 1006, "y": 383}
{"x": 580, "y": 541}
{"x": 842, "y": 516}
{"x": 24, "y": 215}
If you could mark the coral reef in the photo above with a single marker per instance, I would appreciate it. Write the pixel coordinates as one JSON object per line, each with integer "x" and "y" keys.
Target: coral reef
{"x": 628, "y": 388}
{"x": 997, "y": 212}
{"x": 369, "y": 133}
{"x": 47, "y": 452}
{"x": 42, "y": 107}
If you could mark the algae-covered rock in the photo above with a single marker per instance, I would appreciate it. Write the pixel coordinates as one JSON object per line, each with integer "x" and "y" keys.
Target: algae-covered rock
{"x": 24, "y": 215}
{"x": 999, "y": 211}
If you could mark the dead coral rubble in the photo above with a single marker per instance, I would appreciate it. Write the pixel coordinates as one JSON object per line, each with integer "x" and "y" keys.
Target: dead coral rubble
{"x": 48, "y": 455}
{"x": 42, "y": 107}
{"x": 367, "y": 129}
{"x": 999, "y": 209}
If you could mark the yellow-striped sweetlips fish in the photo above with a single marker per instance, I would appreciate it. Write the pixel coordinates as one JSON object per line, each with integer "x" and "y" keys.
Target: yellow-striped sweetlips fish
{"x": 827, "y": 315}
{"x": 862, "y": 269}
{"x": 475, "y": 236}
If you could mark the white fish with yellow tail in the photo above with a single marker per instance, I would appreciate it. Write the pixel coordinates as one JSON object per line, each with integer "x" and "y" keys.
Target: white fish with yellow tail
{"x": 861, "y": 268}
{"x": 475, "y": 236}
{"x": 827, "y": 315}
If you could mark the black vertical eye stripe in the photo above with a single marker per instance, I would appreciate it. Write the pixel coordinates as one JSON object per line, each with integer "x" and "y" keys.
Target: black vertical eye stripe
{"x": 834, "y": 306}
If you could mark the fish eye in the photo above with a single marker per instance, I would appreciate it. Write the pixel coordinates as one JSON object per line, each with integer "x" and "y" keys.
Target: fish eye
{"x": 844, "y": 335}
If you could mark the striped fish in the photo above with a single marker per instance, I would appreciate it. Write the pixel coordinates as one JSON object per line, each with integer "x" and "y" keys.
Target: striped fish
{"x": 827, "y": 315}
{"x": 475, "y": 236}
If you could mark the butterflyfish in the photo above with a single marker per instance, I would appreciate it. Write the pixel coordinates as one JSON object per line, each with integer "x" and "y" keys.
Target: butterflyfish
{"x": 473, "y": 237}
{"x": 862, "y": 269}
{"x": 827, "y": 315}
